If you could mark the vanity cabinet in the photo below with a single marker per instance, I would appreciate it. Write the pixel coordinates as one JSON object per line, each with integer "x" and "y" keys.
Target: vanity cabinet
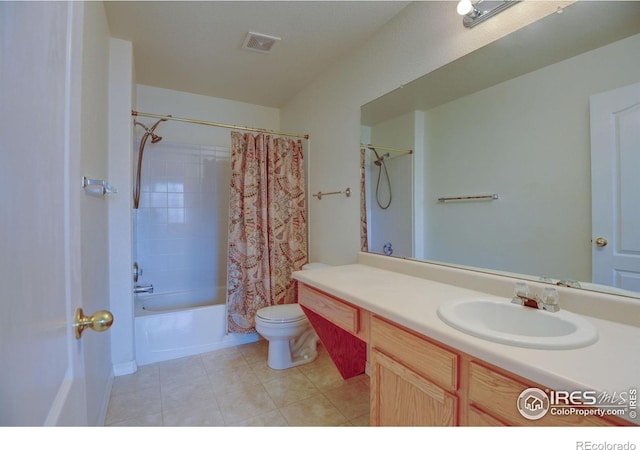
{"x": 413, "y": 381}
{"x": 353, "y": 320}
{"x": 418, "y": 381}
{"x": 493, "y": 394}
{"x": 342, "y": 328}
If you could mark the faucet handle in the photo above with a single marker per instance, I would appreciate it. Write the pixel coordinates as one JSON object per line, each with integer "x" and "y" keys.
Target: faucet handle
{"x": 550, "y": 296}
{"x": 521, "y": 289}
{"x": 550, "y": 299}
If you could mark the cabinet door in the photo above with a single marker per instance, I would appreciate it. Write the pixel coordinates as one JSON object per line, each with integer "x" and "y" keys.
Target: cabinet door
{"x": 401, "y": 397}
{"x": 477, "y": 418}
{"x": 498, "y": 393}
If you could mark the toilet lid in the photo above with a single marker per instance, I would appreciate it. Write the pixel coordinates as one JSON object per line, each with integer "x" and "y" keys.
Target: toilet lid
{"x": 281, "y": 313}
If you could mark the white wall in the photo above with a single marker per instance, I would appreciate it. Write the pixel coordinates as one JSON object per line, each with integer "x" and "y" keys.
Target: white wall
{"x": 526, "y": 139}
{"x": 423, "y": 37}
{"x": 192, "y": 106}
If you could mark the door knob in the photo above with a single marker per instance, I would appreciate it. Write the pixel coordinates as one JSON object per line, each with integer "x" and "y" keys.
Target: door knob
{"x": 98, "y": 321}
{"x": 601, "y": 242}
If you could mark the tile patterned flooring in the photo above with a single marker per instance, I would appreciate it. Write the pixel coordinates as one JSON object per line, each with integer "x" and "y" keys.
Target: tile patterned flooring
{"x": 236, "y": 387}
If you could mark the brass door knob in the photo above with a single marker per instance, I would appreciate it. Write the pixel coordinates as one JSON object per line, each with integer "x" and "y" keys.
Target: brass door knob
{"x": 601, "y": 242}
{"x": 98, "y": 321}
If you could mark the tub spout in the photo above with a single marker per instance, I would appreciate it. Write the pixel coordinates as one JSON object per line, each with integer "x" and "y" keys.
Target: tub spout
{"x": 143, "y": 289}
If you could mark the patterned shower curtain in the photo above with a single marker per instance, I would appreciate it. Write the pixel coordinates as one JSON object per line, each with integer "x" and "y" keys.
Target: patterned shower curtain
{"x": 267, "y": 225}
{"x": 364, "y": 239}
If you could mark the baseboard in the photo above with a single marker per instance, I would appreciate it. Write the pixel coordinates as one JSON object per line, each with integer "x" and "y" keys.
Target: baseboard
{"x": 125, "y": 368}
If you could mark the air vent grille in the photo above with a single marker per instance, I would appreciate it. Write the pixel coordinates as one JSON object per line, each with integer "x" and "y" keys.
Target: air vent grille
{"x": 259, "y": 42}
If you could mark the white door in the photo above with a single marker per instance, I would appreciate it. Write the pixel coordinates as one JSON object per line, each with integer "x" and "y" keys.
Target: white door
{"x": 42, "y": 376}
{"x": 615, "y": 184}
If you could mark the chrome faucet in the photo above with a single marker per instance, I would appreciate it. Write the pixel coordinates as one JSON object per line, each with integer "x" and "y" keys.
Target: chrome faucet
{"x": 143, "y": 289}
{"x": 548, "y": 301}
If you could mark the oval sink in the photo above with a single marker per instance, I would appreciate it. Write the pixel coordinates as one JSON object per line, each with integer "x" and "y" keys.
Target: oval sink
{"x": 508, "y": 323}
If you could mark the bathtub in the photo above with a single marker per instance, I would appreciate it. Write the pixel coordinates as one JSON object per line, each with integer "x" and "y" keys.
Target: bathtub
{"x": 177, "y": 324}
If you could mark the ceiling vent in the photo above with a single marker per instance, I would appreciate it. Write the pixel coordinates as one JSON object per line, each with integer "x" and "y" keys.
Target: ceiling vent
{"x": 259, "y": 42}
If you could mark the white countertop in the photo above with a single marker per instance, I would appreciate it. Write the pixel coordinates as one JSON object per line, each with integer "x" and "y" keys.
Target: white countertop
{"x": 611, "y": 365}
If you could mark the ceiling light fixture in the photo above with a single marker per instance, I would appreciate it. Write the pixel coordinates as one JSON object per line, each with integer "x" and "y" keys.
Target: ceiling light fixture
{"x": 481, "y": 10}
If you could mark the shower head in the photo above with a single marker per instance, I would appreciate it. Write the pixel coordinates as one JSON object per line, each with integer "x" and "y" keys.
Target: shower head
{"x": 150, "y": 131}
{"x": 380, "y": 159}
{"x": 154, "y": 139}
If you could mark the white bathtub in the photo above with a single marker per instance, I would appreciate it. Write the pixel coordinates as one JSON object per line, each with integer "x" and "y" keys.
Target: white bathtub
{"x": 178, "y": 324}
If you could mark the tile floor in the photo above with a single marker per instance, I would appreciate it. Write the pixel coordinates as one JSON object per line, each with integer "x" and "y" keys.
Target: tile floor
{"x": 235, "y": 387}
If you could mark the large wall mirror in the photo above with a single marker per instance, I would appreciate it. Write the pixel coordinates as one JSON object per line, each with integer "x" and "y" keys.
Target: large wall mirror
{"x": 525, "y": 155}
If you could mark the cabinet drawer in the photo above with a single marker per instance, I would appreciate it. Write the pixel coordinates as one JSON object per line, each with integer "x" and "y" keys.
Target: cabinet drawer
{"x": 336, "y": 311}
{"x": 498, "y": 394}
{"x": 429, "y": 360}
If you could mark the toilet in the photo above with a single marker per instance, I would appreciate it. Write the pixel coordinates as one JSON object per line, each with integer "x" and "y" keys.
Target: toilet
{"x": 292, "y": 340}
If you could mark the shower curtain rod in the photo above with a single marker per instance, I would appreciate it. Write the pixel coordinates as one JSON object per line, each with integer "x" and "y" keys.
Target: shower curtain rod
{"x": 216, "y": 124}
{"x": 391, "y": 149}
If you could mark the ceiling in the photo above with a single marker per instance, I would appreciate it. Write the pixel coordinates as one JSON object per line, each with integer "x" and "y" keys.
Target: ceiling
{"x": 196, "y": 46}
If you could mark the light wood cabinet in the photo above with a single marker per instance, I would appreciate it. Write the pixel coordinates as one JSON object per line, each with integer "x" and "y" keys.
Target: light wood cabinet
{"x": 418, "y": 381}
{"x": 421, "y": 355}
{"x": 402, "y": 397}
{"x": 342, "y": 328}
{"x": 413, "y": 381}
{"x": 496, "y": 392}
{"x": 344, "y": 315}
{"x": 478, "y": 418}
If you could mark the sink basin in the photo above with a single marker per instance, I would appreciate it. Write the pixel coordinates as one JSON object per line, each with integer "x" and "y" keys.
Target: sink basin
{"x": 501, "y": 321}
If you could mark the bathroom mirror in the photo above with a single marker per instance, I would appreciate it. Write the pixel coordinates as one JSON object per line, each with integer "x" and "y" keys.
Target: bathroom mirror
{"x": 511, "y": 123}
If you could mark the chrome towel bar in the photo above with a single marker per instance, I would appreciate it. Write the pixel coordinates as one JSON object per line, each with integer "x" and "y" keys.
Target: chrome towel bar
{"x": 469, "y": 197}
{"x": 346, "y": 192}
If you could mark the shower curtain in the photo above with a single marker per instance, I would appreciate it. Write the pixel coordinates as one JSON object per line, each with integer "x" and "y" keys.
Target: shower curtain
{"x": 267, "y": 225}
{"x": 364, "y": 239}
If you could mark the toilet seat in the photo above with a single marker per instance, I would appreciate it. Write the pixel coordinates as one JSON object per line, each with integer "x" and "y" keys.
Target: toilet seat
{"x": 290, "y": 313}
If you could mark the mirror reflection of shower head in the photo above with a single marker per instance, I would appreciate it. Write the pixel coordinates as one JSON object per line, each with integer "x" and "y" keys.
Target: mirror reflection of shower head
{"x": 381, "y": 165}
{"x": 378, "y": 162}
{"x": 379, "y": 158}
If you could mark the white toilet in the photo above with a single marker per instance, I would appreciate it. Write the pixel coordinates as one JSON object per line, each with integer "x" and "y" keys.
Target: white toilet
{"x": 292, "y": 340}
